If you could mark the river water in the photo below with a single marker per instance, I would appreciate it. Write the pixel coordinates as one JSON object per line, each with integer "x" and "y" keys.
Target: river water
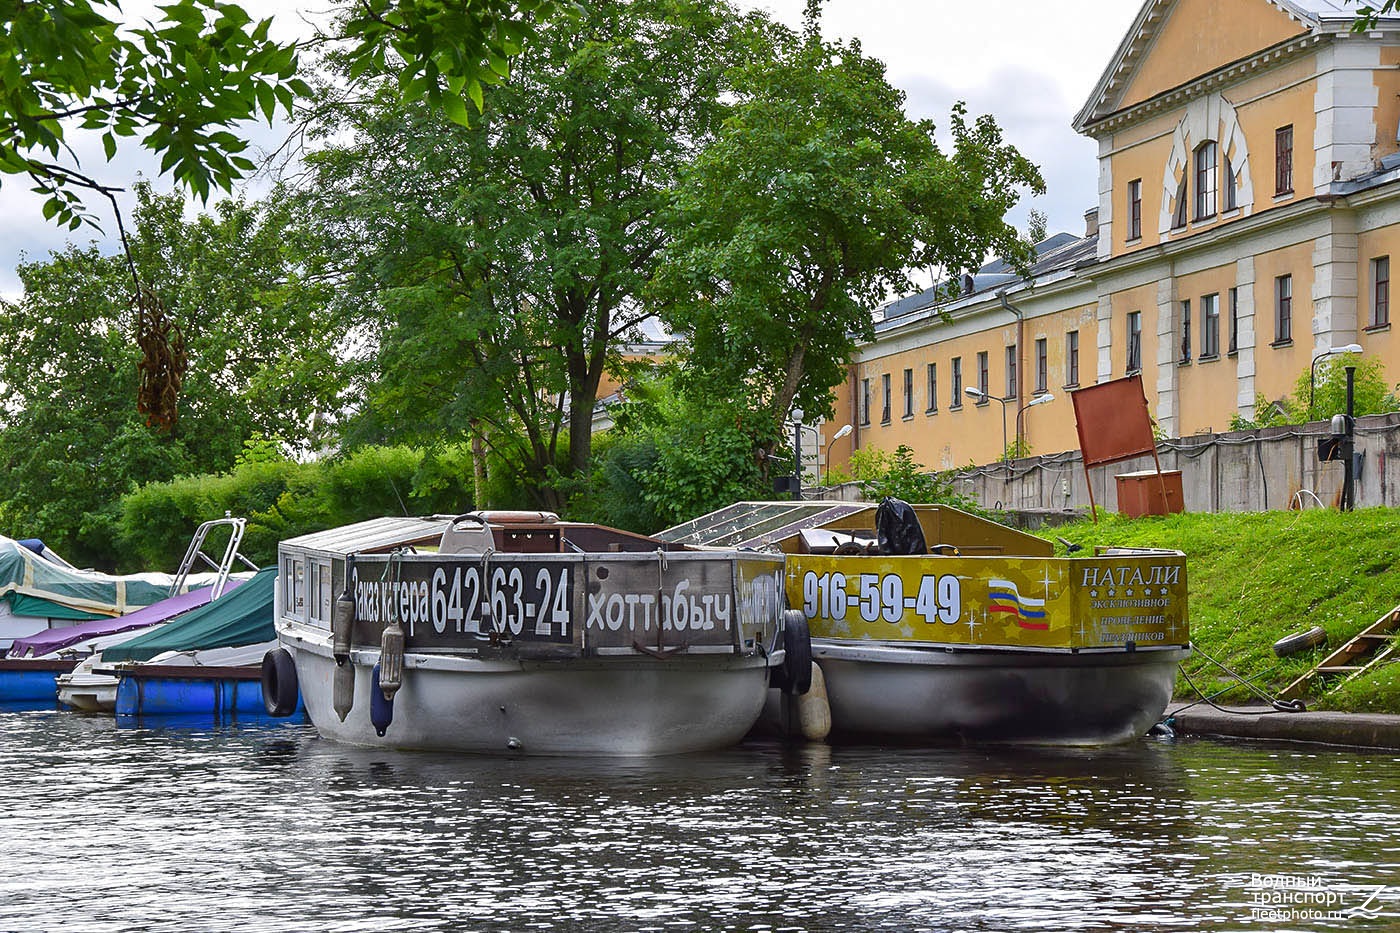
{"x": 268, "y": 827}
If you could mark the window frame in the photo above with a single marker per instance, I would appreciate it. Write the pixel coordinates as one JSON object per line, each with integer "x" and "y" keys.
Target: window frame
{"x": 865, "y": 402}
{"x": 1183, "y": 196}
{"x": 956, "y": 382}
{"x": 1135, "y": 209}
{"x": 1185, "y": 356}
{"x": 931, "y": 373}
{"x": 885, "y": 393}
{"x": 1207, "y": 181}
{"x": 908, "y": 392}
{"x": 984, "y": 376}
{"x": 1042, "y": 365}
{"x": 1234, "y": 346}
{"x": 1283, "y": 160}
{"x": 1071, "y": 358}
{"x": 1283, "y": 310}
{"x": 1210, "y": 326}
{"x": 1380, "y": 292}
{"x": 1133, "y": 332}
{"x": 1013, "y": 375}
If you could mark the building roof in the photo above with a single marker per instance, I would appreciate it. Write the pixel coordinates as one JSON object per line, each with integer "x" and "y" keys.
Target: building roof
{"x": 1312, "y": 15}
{"x": 1057, "y": 253}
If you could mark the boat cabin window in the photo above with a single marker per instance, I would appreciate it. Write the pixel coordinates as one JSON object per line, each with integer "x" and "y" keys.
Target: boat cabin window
{"x": 322, "y": 598}
{"x": 293, "y": 587}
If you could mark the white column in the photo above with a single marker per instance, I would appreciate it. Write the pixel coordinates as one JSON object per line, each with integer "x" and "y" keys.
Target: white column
{"x": 1245, "y": 336}
{"x": 1105, "y": 341}
{"x": 1345, "y": 107}
{"x": 1105, "y": 197}
{"x": 1334, "y": 290}
{"x": 1168, "y": 398}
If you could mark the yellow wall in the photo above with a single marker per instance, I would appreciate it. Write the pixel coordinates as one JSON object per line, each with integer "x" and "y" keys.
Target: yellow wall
{"x": 1378, "y": 342}
{"x": 1199, "y": 36}
{"x": 1277, "y": 368}
{"x": 1279, "y": 97}
{"x": 1208, "y": 387}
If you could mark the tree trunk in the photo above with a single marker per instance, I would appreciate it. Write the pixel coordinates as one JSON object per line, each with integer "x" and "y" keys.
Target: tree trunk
{"x": 478, "y": 468}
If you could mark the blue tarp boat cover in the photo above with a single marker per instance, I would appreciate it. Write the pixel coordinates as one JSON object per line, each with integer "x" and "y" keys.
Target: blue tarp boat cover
{"x": 22, "y": 571}
{"x": 56, "y": 639}
{"x": 243, "y": 617}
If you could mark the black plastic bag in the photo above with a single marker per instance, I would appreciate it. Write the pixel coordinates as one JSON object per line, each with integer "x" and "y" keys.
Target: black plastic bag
{"x": 898, "y": 528}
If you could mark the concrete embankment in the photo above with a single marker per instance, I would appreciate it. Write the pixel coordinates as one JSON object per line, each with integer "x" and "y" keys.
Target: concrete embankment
{"x": 1360, "y": 730}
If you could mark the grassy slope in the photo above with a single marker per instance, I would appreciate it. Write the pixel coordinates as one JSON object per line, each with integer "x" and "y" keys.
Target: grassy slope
{"x": 1256, "y": 577}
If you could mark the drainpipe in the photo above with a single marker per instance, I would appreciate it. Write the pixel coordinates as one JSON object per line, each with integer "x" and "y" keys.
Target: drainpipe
{"x": 1020, "y": 359}
{"x": 855, "y": 407}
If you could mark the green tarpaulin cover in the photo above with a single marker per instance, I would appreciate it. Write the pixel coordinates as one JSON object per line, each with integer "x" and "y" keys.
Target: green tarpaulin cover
{"x": 24, "y": 572}
{"x": 243, "y": 617}
{"x": 22, "y": 605}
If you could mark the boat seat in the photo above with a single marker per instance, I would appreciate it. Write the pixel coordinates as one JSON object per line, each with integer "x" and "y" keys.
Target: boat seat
{"x": 467, "y": 534}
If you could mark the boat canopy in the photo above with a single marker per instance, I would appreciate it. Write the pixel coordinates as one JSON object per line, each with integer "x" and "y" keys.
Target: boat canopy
{"x": 758, "y": 524}
{"x": 38, "y": 607}
{"x": 243, "y": 617}
{"x": 24, "y": 572}
{"x": 56, "y": 639}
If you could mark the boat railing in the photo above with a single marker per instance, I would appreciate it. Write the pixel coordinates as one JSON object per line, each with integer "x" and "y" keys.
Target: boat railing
{"x": 224, "y": 565}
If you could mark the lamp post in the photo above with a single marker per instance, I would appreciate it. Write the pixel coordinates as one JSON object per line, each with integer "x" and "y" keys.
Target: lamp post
{"x": 797, "y": 453}
{"x": 1312, "y": 371}
{"x": 845, "y": 430}
{"x": 1349, "y": 447}
{"x": 979, "y": 394}
{"x": 1020, "y": 413}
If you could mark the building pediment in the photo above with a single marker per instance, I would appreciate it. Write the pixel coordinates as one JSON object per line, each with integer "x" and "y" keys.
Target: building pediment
{"x": 1175, "y": 43}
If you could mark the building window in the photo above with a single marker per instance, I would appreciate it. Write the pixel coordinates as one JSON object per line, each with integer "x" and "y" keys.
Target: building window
{"x": 1042, "y": 366}
{"x": 1210, "y": 327}
{"x": 1072, "y": 358}
{"x": 1283, "y": 160}
{"x": 932, "y": 387}
{"x": 1231, "y": 199}
{"x": 1380, "y": 291}
{"x": 1283, "y": 309}
{"x": 1135, "y": 209}
{"x": 1011, "y": 374}
{"x": 1234, "y": 321}
{"x": 1205, "y": 180}
{"x": 1179, "y": 215}
{"x": 983, "y": 377}
{"x": 1186, "y": 331}
{"x": 909, "y": 393}
{"x": 885, "y": 390}
{"x": 1134, "y": 343}
{"x": 865, "y": 402}
{"x": 957, "y": 383}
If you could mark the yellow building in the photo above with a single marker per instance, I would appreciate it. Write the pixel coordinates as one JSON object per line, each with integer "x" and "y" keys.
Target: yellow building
{"x": 1249, "y": 179}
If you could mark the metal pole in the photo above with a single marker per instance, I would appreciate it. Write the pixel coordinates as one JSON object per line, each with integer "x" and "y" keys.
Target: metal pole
{"x": 797, "y": 459}
{"x": 1349, "y": 446}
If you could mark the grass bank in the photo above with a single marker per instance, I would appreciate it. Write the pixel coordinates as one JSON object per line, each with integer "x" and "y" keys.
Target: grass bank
{"x": 1256, "y": 577}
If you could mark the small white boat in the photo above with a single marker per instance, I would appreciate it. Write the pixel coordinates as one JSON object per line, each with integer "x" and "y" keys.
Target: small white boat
{"x": 496, "y": 632}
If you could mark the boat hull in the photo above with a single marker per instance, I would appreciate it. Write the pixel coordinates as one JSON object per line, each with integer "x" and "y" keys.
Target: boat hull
{"x": 625, "y": 706}
{"x": 909, "y": 694}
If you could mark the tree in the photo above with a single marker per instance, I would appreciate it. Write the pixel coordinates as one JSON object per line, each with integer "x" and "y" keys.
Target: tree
{"x": 812, "y": 205}
{"x": 180, "y": 85}
{"x": 184, "y": 83}
{"x": 1369, "y": 14}
{"x": 495, "y": 269}
{"x": 260, "y": 362}
{"x": 1371, "y": 395}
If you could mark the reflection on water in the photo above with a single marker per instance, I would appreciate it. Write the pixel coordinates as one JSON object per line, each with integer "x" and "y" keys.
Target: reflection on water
{"x": 272, "y": 828}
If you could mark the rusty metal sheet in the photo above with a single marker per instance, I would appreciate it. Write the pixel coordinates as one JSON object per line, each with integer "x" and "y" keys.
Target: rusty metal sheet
{"x": 1113, "y": 421}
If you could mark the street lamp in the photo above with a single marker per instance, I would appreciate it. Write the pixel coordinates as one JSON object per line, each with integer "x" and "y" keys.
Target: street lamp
{"x": 979, "y": 394}
{"x": 845, "y": 430}
{"x": 1312, "y": 371}
{"x": 1038, "y": 400}
{"x": 797, "y": 453}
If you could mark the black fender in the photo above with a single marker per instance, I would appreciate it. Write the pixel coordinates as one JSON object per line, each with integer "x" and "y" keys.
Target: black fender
{"x": 794, "y": 675}
{"x": 279, "y": 683}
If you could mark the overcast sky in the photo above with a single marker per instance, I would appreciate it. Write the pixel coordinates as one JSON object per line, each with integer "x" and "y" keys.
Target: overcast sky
{"x": 1029, "y": 63}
